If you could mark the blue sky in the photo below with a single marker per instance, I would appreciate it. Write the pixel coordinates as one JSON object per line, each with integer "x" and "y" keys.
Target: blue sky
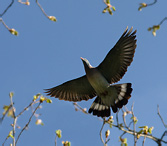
{"x": 46, "y": 54}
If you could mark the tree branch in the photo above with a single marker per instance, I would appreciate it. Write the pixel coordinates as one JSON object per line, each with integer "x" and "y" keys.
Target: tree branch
{"x": 134, "y": 125}
{"x": 27, "y": 123}
{"x": 163, "y": 21}
{"x": 7, "y": 8}
{"x": 101, "y": 137}
{"x": 14, "y": 121}
{"x": 155, "y": 1}
{"x": 165, "y": 125}
{"x": 128, "y": 130}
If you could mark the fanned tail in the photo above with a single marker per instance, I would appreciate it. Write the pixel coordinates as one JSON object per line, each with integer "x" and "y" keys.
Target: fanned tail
{"x": 124, "y": 93}
{"x": 99, "y": 109}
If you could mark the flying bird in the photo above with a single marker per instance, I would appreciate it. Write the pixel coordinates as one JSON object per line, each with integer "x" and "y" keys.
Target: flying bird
{"x": 99, "y": 80}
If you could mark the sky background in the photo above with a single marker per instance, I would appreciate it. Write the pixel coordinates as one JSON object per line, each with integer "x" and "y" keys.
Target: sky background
{"x": 46, "y": 54}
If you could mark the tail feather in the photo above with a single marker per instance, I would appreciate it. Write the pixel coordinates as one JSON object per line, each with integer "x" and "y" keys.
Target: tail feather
{"x": 124, "y": 93}
{"x": 99, "y": 109}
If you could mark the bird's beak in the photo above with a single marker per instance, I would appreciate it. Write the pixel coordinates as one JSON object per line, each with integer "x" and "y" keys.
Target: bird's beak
{"x": 81, "y": 58}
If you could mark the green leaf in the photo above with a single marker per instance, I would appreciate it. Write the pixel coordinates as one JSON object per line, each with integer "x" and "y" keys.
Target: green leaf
{"x": 42, "y": 98}
{"x": 143, "y": 127}
{"x": 5, "y": 107}
{"x": 10, "y": 134}
{"x": 11, "y": 94}
{"x": 110, "y": 125}
{"x": 150, "y": 130}
{"x": 48, "y": 100}
{"x": 42, "y": 124}
{"x": 39, "y": 122}
{"x": 113, "y": 8}
{"x": 36, "y": 96}
{"x": 52, "y": 18}
{"x": 108, "y": 1}
{"x": 69, "y": 143}
{"x": 13, "y": 31}
{"x": 140, "y": 132}
{"x": 125, "y": 140}
{"x": 58, "y": 133}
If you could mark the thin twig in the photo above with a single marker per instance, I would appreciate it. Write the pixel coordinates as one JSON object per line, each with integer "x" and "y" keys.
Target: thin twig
{"x": 41, "y": 8}
{"x": 28, "y": 122}
{"x": 4, "y": 141}
{"x": 14, "y": 121}
{"x": 56, "y": 140}
{"x": 101, "y": 137}
{"x": 4, "y": 24}
{"x": 132, "y": 132}
{"x": 107, "y": 141}
{"x": 7, "y": 8}
{"x": 122, "y": 134}
{"x": 134, "y": 125}
{"x": 144, "y": 141}
{"x": 26, "y": 108}
{"x": 155, "y": 1}
{"x": 124, "y": 119}
{"x": 163, "y": 20}
{"x": 165, "y": 125}
{"x": 165, "y": 133}
{"x": 79, "y": 107}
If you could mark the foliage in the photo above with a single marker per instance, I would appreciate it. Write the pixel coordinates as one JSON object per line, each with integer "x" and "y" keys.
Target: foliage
{"x": 109, "y": 8}
{"x": 128, "y": 128}
{"x": 10, "y": 111}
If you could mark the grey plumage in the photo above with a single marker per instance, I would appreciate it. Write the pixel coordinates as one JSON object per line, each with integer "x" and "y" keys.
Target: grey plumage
{"x": 98, "y": 80}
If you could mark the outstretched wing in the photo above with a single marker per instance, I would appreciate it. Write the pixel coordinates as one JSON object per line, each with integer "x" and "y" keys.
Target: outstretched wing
{"x": 115, "y": 64}
{"x": 73, "y": 90}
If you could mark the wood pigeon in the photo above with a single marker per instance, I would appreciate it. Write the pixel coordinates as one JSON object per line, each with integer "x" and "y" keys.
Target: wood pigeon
{"x": 99, "y": 80}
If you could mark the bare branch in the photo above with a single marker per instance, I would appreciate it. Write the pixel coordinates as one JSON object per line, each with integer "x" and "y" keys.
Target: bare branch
{"x": 165, "y": 125}
{"x": 4, "y": 141}
{"x": 41, "y": 8}
{"x": 77, "y": 106}
{"x": 28, "y": 122}
{"x": 163, "y": 21}
{"x": 25, "y": 108}
{"x": 164, "y": 134}
{"x": 7, "y": 8}
{"x": 101, "y": 137}
{"x": 56, "y": 140}
{"x": 124, "y": 119}
{"x": 144, "y": 141}
{"x": 130, "y": 131}
{"x": 155, "y": 1}
{"x": 14, "y": 121}
{"x": 134, "y": 128}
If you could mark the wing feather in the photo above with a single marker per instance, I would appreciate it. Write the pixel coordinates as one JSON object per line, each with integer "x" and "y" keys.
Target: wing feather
{"x": 73, "y": 90}
{"x": 115, "y": 64}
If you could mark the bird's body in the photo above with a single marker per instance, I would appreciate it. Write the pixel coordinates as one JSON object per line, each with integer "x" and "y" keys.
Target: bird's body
{"x": 98, "y": 80}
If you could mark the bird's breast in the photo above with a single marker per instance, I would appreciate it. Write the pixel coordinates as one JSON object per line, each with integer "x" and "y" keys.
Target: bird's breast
{"x": 97, "y": 81}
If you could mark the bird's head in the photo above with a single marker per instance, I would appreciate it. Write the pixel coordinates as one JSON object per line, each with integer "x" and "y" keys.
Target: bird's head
{"x": 86, "y": 63}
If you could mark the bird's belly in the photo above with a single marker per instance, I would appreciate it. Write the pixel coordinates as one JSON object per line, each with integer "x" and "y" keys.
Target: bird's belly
{"x": 99, "y": 83}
